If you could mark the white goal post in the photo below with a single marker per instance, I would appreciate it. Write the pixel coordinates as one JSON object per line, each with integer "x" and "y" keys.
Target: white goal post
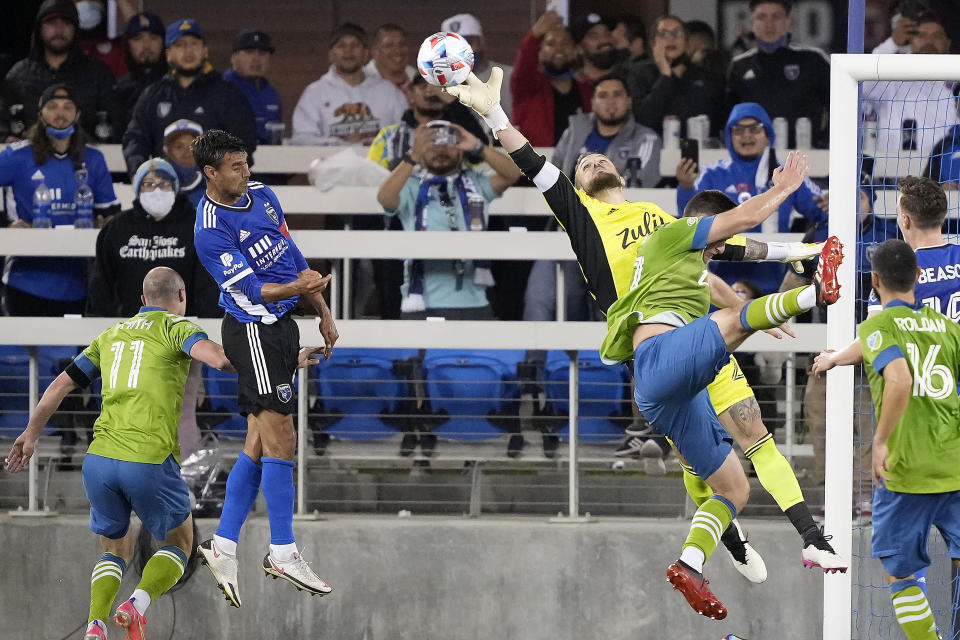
{"x": 846, "y": 72}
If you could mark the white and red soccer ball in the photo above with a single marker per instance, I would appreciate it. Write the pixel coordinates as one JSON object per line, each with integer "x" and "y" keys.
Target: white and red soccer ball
{"x": 445, "y": 59}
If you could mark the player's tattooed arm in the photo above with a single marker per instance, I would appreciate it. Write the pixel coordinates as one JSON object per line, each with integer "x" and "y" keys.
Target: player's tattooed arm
{"x": 754, "y": 250}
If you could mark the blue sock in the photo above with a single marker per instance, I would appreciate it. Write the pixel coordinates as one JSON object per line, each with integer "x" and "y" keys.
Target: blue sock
{"x": 243, "y": 484}
{"x": 279, "y": 492}
{"x": 921, "y": 576}
{"x": 900, "y": 585}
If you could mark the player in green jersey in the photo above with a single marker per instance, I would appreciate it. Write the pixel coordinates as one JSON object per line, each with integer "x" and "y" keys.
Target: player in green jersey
{"x": 911, "y": 354}
{"x": 133, "y": 461}
{"x": 662, "y": 322}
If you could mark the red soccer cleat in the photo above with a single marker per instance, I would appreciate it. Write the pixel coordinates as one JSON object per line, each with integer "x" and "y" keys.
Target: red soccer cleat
{"x": 694, "y": 588}
{"x": 128, "y": 618}
{"x": 825, "y": 279}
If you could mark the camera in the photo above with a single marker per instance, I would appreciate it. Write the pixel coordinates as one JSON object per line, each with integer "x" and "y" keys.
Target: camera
{"x": 442, "y": 134}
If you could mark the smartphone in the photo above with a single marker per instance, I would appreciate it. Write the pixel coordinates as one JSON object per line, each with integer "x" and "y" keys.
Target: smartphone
{"x": 690, "y": 148}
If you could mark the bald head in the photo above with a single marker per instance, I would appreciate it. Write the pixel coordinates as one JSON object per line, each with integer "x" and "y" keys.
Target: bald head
{"x": 161, "y": 287}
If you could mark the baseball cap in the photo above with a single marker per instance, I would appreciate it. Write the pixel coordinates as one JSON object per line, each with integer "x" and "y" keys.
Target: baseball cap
{"x": 462, "y": 23}
{"x": 58, "y": 9}
{"x": 184, "y": 27}
{"x": 253, "y": 39}
{"x": 145, "y": 21}
{"x": 583, "y": 24}
{"x": 159, "y": 165}
{"x": 182, "y": 126}
{"x": 54, "y": 91}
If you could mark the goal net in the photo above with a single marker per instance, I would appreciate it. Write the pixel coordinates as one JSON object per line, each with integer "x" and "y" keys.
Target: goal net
{"x": 891, "y": 116}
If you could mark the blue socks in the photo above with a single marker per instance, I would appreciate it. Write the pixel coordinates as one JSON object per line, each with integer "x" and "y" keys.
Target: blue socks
{"x": 243, "y": 485}
{"x": 279, "y": 491}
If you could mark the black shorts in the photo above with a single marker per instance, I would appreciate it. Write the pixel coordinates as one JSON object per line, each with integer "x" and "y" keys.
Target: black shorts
{"x": 265, "y": 357}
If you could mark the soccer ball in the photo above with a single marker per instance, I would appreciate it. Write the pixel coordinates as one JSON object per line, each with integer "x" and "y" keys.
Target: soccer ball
{"x": 445, "y": 59}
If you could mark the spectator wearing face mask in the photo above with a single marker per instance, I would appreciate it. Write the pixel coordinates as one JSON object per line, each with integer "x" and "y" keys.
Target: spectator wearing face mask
{"x": 92, "y": 33}
{"x": 177, "y": 138}
{"x": 157, "y": 231}
{"x": 546, "y": 89}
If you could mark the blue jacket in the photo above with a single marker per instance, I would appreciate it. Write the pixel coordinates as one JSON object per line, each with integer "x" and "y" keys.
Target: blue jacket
{"x": 263, "y": 99}
{"x": 740, "y": 179}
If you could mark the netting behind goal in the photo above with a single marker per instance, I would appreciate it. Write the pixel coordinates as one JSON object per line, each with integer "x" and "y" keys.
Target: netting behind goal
{"x": 907, "y": 125}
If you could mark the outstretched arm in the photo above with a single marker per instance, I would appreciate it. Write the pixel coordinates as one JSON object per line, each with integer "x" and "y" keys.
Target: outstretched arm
{"x": 786, "y": 180}
{"x": 828, "y": 359}
{"x": 23, "y": 446}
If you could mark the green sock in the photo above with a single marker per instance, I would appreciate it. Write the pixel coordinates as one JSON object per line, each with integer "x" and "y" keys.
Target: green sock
{"x": 774, "y": 472}
{"x": 697, "y": 489}
{"x": 773, "y": 310}
{"x": 162, "y": 571}
{"x": 104, "y": 584}
{"x": 913, "y": 611}
{"x": 709, "y": 522}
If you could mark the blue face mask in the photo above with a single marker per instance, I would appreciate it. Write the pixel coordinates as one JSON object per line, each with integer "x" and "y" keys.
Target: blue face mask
{"x": 60, "y": 134}
{"x": 186, "y": 175}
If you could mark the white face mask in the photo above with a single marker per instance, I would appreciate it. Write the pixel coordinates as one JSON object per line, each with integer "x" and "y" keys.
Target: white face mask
{"x": 90, "y": 14}
{"x": 157, "y": 202}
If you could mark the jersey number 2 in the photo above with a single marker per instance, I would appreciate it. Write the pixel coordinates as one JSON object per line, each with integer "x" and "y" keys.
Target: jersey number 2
{"x": 133, "y": 377}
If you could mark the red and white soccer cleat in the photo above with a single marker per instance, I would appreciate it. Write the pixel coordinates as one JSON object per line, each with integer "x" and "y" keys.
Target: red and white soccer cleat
{"x": 95, "y": 631}
{"x": 825, "y": 279}
{"x": 695, "y": 589}
{"x": 128, "y": 618}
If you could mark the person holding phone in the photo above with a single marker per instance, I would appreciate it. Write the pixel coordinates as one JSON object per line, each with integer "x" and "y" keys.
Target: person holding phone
{"x": 747, "y": 172}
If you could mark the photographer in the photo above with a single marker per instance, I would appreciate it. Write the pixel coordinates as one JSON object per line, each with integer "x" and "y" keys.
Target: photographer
{"x": 433, "y": 190}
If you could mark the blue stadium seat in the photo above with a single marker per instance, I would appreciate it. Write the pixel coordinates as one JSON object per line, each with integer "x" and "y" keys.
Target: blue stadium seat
{"x": 14, "y": 390}
{"x": 361, "y": 393}
{"x": 604, "y": 407}
{"x": 221, "y": 390}
{"x": 471, "y": 390}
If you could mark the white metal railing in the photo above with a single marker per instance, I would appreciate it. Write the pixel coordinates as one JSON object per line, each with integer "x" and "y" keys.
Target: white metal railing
{"x": 569, "y": 336}
{"x": 296, "y": 159}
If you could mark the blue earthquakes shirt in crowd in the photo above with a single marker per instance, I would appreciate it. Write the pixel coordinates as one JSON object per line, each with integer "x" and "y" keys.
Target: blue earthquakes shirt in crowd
{"x": 47, "y": 277}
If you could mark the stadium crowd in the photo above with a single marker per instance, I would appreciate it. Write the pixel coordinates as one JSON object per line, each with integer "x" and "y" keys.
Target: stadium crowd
{"x": 593, "y": 84}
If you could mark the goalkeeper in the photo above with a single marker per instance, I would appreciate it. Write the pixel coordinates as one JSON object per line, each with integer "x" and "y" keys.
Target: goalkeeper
{"x": 605, "y": 230}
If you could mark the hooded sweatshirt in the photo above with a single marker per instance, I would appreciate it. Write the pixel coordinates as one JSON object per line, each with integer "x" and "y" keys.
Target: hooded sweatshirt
{"x": 90, "y": 81}
{"x": 742, "y": 178}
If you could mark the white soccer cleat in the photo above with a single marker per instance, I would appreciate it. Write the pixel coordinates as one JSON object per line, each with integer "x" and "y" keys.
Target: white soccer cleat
{"x": 744, "y": 558}
{"x": 821, "y": 554}
{"x": 223, "y": 566}
{"x": 297, "y": 572}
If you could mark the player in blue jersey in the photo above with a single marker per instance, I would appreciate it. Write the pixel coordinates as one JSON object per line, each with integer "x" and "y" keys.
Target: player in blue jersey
{"x": 242, "y": 240}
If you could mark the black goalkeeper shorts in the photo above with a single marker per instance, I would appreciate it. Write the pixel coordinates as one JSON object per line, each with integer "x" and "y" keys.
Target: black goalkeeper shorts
{"x": 265, "y": 357}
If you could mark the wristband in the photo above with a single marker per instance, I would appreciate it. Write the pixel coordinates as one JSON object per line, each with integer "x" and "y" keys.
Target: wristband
{"x": 475, "y": 155}
{"x": 408, "y": 158}
{"x": 497, "y": 120}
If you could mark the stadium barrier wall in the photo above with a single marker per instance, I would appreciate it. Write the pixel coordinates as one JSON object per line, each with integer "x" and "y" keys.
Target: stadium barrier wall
{"x": 570, "y": 336}
{"x": 426, "y": 578}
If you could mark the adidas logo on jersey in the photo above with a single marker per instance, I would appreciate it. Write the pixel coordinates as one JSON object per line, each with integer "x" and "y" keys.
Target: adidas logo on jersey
{"x": 244, "y": 234}
{"x": 37, "y": 175}
{"x": 262, "y": 245}
{"x": 749, "y": 75}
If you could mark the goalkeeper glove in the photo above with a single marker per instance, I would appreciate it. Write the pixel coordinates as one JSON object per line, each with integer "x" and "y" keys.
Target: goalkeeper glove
{"x": 793, "y": 252}
{"x": 484, "y": 98}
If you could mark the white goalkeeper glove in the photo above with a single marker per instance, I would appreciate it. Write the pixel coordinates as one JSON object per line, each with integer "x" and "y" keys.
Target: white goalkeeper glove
{"x": 484, "y": 98}
{"x": 793, "y": 252}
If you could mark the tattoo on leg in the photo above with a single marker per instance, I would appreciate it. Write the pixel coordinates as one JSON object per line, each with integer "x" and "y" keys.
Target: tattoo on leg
{"x": 754, "y": 250}
{"x": 745, "y": 412}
